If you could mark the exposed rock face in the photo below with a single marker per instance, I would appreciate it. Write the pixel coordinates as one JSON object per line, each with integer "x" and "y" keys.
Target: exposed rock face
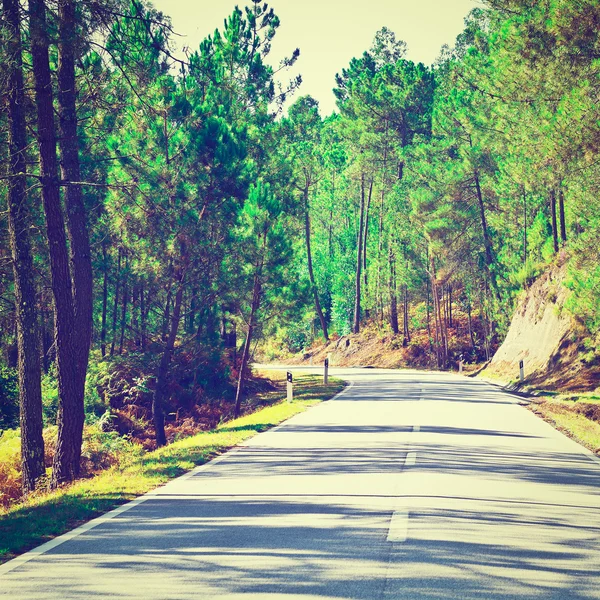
{"x": 538, "y": 328}
{"x": 546, "y": 338}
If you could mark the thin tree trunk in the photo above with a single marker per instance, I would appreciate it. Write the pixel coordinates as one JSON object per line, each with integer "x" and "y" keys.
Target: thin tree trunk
{"x": 357, "y": 312}
{"x": 167, "y": 313}
{"x": 428, "y": 313}
{"x": 124, "y": 306}
{"x": 405, "y": 316}
{"x": 489, "y": 255}
{"x": 561, "y": 210}
{"x": 143, "y": 316}
{"x": 554, "y": 223}
{"x": 393, "y": 293}
{"x": 66, "y": 465}
{"x": 330, "y": 240}
{"x": 256, "y": 291}
{"x": 104, "y": 300}
{"x": 161, "y": 393}
{"x": 441, "y": 333}
{"x": 366, "y": 235}
{"x": 524, "y": 227}
{"x": 470, "y": 320}
{"x": 115, "y": 311}
{"x": 135, "y": 314}
{"x": 311, "y": 274}
{"x": 27, "y": 334}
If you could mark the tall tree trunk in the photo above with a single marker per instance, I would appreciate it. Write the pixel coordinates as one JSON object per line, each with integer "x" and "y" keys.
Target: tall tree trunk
{"x": 167, "y": 313}
{"x": 563, "y": 222}
{"x": 524, "y": 227}
{"x": 441, "y": 333}
{"x": 104, "y": 300}
{"x": 554, "y": 223}
{"x": 428, "y": 313}
{"x": 393, "y": 292}
{"x": 29, "y": 372}
{"x": 124, "y": 306}
{"x": 330, "y": 237}
{"x": 143, "y": 316}
{"x": 135, "y": 314}
{"x": 366, "y": 235}
{"x": 256, "y": 291}
{"x": 161, "y": 393}
{"x": 405, "y": 316}
{"x": 487, "y": 243}
{"x": 45, "y": 334}
{"x": 66, "y": 458}
{"x": 357, "y": 312}
{"x": 311, "y": 274}
{"x": 79, "y": 243}
{"x": 470, "y": 320}
{"x": 115, "y": 311}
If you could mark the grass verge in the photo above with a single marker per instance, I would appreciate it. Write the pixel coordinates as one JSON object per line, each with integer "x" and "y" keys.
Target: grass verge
{"x": 44, "y": 516}
{"x": 576, "y": 416}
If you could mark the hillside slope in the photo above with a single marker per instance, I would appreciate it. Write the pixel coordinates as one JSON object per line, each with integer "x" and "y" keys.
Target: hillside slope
{"x": 547, "y": 339}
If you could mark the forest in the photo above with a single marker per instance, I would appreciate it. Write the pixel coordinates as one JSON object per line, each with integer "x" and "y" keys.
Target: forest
{"x": 165, "y": 219}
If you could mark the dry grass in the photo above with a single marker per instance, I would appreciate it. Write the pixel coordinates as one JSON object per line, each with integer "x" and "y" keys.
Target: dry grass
{"x": 579, "y": 418}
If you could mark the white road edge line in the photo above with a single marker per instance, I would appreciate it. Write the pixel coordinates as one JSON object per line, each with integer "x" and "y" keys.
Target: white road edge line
{"x": 9, "y": 566}
{"x": 398, "y": 531}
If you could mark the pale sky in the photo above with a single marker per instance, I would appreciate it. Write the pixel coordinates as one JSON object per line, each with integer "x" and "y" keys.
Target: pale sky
{"x": 330, "y": 33}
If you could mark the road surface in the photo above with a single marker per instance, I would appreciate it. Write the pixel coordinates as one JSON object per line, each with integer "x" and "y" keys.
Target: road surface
{"x": 408, "y": 485}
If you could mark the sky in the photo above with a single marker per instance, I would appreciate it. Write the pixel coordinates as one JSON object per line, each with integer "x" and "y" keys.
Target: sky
{"x": 330, "y": 33}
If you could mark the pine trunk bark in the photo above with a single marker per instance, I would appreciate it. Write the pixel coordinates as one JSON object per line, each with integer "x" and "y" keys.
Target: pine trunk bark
{"x": 554, "y": 223}
{"x": 311, "y": 274}
{"x": 66, "y": 459}
{"x": 256, "y": 291}
{"x": 393, "y": 293}
{"x": 563, "y": 222}
{"x": 104, "y": 301}
{"x": 357, "y": 310}
{"x": 79, "y": 242}
{"x": 115, "y": 311}
{"x": 161, "y": 391}
{"x": 124, "y": 306}
{"x": 28, "y": 340}
{"x": 405, "y": 316}
{"x": 487, "y": 243}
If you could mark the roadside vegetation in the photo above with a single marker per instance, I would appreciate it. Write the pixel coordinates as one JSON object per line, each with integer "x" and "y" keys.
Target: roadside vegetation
{"x": 121, "y": 469}
{"x": 576, "y": 415}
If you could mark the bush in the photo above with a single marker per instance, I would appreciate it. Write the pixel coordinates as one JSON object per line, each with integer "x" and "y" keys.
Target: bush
{"x": 9, "y": 398}
{"x": 10, "y": 467}
{"x": 50, "y": 395}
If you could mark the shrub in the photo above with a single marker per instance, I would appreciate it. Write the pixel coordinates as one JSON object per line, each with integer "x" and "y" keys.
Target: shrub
{"x": 9, "y": 398}
{"x": 10, "y": 467}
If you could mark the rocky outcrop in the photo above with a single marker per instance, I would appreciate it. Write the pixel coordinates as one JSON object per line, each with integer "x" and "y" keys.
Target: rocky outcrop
{"x": 546, "y": 338}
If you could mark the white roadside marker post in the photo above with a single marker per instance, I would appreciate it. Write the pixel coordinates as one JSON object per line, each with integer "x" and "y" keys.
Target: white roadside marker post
{"x": 326, "y": 372}
{"x": 460, "y": 366}
{"x": 521, "y": 371}
{"x": 290, "y": 387}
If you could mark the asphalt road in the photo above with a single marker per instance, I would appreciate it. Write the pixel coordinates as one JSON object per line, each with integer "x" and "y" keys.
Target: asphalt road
{"x": 408, "y": 485}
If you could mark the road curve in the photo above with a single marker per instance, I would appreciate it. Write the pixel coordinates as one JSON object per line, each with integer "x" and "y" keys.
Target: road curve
{"x": 408, "y": 485}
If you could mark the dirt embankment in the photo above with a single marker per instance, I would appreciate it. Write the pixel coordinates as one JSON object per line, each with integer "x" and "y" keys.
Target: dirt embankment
{"x": 547, "y": 339}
